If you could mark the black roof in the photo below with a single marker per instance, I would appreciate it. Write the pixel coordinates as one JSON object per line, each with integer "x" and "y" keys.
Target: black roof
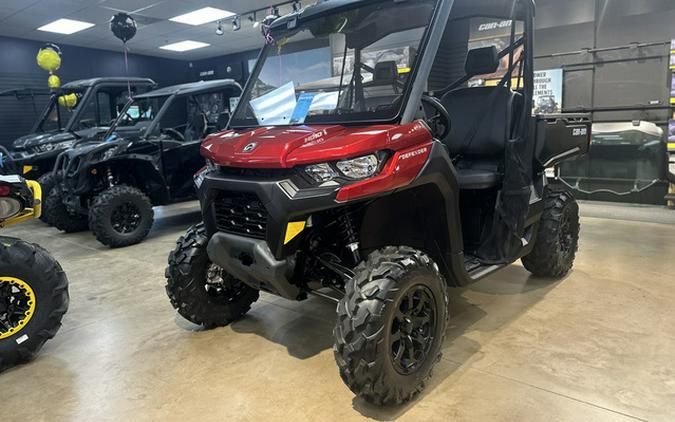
{"x": 460, "y": 9}
{"x": 191, "y": 88}
{"x": 86, "y": 83}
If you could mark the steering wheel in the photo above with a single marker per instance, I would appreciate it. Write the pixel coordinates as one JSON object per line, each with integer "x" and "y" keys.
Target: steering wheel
{"x": 440, "y": 121}
{"x": 173, "y": 133}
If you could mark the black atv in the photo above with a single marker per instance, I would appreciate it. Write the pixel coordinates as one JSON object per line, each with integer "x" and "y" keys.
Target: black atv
{"x": 392, "y": 182}
{"x": 79, "y": 110}
{"x": 33, "y": 287}
{"x": 148, "y": 158}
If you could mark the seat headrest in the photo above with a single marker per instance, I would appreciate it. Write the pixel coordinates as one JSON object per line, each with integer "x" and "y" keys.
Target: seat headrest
{"x": 482, "y": 61}
{"x": 385, "y": 71}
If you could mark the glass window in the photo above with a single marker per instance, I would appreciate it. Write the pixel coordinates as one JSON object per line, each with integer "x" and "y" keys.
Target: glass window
{"x": 356, "y": 68}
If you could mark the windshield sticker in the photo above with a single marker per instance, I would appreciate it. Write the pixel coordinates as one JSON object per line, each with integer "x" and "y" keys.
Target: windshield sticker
{"x": 302, "y": 108}
{"x": 275, "y": 107}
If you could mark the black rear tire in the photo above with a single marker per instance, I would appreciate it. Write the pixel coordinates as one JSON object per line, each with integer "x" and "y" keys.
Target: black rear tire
{"x": 121, "y": 216}
{"x": 47, "y": 182}
{"x": 34, "y": 267}
{"x": 200, "y": 291}
{"x": 60, "y": 217}
{"x": 557, "y": 238}
{"x": 374, "y": 339}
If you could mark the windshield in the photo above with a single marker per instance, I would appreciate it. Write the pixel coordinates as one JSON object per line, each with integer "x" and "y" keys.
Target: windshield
{"x": 59, "y": 111}
{"x": 353, "y": 66}
{"x": 141, "y": 112}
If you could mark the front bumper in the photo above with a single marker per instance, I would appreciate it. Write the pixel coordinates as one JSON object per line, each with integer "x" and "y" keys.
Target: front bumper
{"x": 251, "y": 261}
{"x": 284, "y": 197}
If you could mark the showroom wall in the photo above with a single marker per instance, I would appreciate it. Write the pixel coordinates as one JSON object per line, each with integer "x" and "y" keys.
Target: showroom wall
{"x": 19, "y": 70}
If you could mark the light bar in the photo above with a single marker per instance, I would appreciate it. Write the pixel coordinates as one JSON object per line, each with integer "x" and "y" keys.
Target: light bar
{"x": 202, "y": 16}
{"x": 65, "y": 26}
{"x": 186, "y": 45}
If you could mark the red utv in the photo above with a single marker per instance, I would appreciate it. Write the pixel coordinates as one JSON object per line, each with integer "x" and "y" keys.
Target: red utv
{"x": 369, "y": 163}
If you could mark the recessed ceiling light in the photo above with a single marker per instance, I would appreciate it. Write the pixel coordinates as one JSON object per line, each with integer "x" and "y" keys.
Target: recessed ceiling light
{"x": 184, "y": 46}
{"x": 65, "y": 26}
{"x": 202, "y": 16}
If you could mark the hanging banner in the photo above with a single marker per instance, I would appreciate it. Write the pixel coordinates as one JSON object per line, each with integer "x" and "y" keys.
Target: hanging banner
{"x": 548, "y": 91}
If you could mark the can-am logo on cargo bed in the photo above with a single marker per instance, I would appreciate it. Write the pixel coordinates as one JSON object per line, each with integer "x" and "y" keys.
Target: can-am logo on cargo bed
{"x": 580, "y": 131}
{"x": 250, "y": 147}
{"x": 412, "y": 154}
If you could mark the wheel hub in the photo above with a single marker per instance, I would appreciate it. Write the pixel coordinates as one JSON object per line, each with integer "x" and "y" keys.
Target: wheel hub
{"x": 221, "y": 284}
{"x": 125, "y": 218}
{"x": 17, "y": 305}
{"x": 412, "y": 330}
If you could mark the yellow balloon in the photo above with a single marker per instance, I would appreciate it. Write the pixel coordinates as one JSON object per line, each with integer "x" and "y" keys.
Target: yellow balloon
{"x": 54, "y": 82}
{"x": 48, "y": 59}
{"x": 68, "y": 100}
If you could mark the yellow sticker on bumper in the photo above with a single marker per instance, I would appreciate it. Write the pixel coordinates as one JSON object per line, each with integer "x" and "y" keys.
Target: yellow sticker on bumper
{"x": 26, "y": 169}
{"x": 293, "y": 229}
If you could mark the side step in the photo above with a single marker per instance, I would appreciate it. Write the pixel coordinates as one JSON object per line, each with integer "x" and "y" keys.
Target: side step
{"x": 476, "y": 270}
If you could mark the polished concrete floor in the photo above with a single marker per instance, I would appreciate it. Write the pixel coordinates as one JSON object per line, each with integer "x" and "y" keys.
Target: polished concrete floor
{"x": 596, "y": 346}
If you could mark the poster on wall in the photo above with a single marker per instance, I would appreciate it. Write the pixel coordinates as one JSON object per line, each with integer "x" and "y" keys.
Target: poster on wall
{"x": 548, "y": 91}
{"x": 672, "y": 88}
{"x": 672, "y": 54}
{"x": 671, "y": 136}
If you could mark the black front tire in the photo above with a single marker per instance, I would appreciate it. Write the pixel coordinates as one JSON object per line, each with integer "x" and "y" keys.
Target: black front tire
{"x": 121, "y": 203}
{"x": 368, "y": 336}
{"x": 47, "y": 183}
{"x": 191, "y": 288}
{"x": 61, "y": 218}
{"x": 34, "y": 266}
{"x": 557, "y": 238}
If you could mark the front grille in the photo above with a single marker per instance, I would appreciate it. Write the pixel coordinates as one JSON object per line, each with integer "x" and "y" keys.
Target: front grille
{"x": 258, "y": 174}
{"x": 241, "y": 213}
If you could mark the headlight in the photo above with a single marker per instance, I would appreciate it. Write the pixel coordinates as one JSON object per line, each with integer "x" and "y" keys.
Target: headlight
{"x": 321, "y": 172}
{"x": 211, "y": 166}
{"x": 9, "y": 207}
{"x": 359, "y": 168}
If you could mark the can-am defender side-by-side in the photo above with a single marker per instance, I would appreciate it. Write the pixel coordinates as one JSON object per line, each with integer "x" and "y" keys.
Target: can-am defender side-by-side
{"x": 375, "y": 175}
{"x": 33, "y": 287}
{"x": 149, "y": 158}
{"x": 79, "y": 110}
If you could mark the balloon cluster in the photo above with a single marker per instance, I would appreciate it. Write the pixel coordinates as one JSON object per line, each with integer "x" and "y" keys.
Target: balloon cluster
{"x": 123, "y": 26}
{"x": 49, "y": 59}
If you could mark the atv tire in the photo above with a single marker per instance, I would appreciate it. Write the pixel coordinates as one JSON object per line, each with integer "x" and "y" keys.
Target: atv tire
{"x": 195, "y": 298}
{"x": 557, "y": 237}
{"x": 121, "y": 216}
{"x": 47, "y": 183}
{"x": 398, "y": 299}
{"x": 27, "y": 269}
{"x": 60, "y": 217}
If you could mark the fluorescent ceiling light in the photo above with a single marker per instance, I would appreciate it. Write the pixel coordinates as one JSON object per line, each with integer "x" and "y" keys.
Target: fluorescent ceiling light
{"x": 65, "y": 26}
{"x": 184, "y": 45}
{"x": 202, "y": 16}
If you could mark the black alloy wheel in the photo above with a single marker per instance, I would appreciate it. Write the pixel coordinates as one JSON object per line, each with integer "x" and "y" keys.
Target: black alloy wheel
{"x": 412, "y": 329}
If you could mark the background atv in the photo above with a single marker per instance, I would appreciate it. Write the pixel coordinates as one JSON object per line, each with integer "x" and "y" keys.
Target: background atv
{"x": 33, "y": 287}
{"x": 149, "y": 158}
{"x": 93, "y": 104}
{"x": 392, "y": 181}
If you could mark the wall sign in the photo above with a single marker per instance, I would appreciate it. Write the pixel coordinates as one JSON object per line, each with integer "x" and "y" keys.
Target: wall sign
{"x": 548, "y": 91}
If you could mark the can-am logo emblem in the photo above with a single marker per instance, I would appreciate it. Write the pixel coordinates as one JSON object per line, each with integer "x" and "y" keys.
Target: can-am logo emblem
{"x": 250, "y": 147}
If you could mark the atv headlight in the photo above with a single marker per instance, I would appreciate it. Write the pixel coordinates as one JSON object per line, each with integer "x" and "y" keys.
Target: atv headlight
{"x": 359, "y": 168}
{"x": 321, "y": 172}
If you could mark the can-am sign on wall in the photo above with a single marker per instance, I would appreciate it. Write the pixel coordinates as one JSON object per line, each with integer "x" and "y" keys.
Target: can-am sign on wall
{"x": 548, "y": 91}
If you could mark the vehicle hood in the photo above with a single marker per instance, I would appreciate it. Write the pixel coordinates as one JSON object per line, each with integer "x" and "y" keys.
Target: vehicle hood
{"x": 289, "y": 146}
{"x": 34, "y": 139}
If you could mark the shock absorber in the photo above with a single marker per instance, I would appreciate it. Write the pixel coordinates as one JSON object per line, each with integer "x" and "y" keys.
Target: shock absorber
{"x": 350, "y": 235}
{"x": 109, "y": 177}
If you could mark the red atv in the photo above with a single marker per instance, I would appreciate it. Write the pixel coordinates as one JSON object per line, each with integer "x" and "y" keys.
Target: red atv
{"x": 365, "y": 166}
